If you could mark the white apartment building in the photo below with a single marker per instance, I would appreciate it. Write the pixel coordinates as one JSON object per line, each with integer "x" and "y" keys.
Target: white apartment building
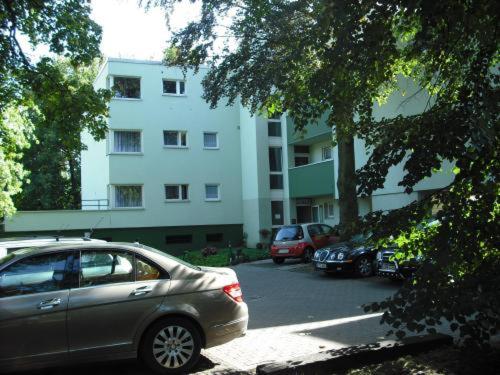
{"x": 175, "y": 174}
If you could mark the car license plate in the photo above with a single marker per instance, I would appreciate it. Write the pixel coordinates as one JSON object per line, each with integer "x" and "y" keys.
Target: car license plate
{"x": 388, "y": 267}
{"x": 283, "y": 251}
{"x": 321, "y": 265}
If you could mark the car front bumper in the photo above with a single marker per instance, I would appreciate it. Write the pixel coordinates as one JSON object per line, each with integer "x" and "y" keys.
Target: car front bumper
{"x": 334, "y": 266}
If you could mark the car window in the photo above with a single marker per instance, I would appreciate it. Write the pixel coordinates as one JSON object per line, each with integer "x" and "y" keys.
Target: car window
{"x": 105, "y": 267}
{"x": 313, "y": 230}
{"x": 146, "y": 271}
{"x": 289, "y": 233}
{"x": 37, "y": 274}
{"x": 326, "y": 229}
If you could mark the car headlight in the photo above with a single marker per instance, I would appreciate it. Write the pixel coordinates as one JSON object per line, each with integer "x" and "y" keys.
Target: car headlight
{"x": 379, "y": 255}
{"x": 340, "y": 256}
{"x": 332, "y": 256}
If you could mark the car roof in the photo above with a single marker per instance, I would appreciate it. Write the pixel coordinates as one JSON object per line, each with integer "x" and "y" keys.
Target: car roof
{"x": 34, "y": 241}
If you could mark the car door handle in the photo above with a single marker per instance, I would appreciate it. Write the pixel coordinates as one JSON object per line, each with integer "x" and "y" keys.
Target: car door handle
{"x": 142, "y": 290}
{"x": 49, "y": 304}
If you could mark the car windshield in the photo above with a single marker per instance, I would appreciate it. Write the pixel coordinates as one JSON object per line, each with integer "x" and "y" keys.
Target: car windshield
{"x": 360, "y": 238}
{"x": 289, "y": 233}
{"x": 183, "y": 262}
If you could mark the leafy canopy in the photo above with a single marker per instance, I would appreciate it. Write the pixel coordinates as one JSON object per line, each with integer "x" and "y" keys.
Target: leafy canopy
{"x": 66, "y": 28}
{"x": 312, "y": 57}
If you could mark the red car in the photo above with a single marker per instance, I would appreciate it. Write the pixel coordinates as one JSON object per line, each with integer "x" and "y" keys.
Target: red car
{"x": 301, "y": 241}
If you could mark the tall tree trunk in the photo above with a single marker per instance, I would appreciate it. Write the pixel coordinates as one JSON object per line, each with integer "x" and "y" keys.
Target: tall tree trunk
{"x": 348, "y": 202}
{"x": 74, "y": 185}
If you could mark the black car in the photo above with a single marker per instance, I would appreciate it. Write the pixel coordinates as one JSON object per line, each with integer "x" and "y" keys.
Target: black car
{"x": 351, "y": 256}
{"x": 389, "y": 267}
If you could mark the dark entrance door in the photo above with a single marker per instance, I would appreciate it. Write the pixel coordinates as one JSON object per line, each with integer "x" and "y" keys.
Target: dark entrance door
{"x": 303, "y": 214}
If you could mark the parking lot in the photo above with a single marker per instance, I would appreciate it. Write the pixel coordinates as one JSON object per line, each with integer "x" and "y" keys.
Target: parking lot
{"x": 294, "y": 311}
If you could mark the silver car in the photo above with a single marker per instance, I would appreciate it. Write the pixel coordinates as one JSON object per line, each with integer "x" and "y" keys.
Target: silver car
{"x": 63, "y": 304}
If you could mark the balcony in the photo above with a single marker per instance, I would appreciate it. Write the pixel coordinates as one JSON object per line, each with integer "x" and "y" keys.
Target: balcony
{"x": 312, "y": 180}
{"x": 312, "y": 133}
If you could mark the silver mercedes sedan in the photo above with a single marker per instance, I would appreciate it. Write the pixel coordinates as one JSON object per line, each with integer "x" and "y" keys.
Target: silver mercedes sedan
{"x": 64, "y": 304}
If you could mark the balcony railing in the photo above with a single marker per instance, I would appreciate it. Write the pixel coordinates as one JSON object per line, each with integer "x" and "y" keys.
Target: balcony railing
{"x": 95, "y": 204}
{"x": 312, "y": 180}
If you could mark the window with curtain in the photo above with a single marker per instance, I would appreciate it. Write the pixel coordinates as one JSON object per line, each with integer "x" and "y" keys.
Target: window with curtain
{"x": 327, "y": 152}
{"x": 126, "y": 141}
{"x": 128, "y": 196}
{"x": 210, "y": 140}
{"x": 212, "y": 192}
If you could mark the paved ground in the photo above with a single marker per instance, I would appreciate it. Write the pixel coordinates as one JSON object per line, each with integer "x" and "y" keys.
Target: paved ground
{"x": 294, "y": 311}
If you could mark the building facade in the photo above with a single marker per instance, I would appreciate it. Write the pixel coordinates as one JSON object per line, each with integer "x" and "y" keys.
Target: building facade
{"x": 176, "y": 174}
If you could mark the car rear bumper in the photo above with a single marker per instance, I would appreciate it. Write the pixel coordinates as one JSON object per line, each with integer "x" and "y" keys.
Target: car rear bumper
{"x": 222, "y": 333}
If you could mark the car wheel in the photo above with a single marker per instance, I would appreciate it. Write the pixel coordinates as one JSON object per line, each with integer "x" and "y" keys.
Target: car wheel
{"x": 363, "y": 267}
{"x": 171, "y": 346}
{"x": 278, "y": 260}
{"x": 308, "y": 255}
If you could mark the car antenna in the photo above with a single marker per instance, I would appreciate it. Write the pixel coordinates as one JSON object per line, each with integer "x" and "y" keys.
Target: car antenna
{"x": 58, "y": 235}
{"x": 87, "y": 238}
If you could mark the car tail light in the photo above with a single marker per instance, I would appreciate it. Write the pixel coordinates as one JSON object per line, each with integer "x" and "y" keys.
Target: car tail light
{"x": 234, "y": 291}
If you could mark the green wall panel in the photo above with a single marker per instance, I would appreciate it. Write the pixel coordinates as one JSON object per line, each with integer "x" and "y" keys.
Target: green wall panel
{"x": 312, "y": 180}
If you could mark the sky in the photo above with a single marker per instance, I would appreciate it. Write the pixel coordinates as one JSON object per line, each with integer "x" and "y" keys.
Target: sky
{"x": 128, "y": 31}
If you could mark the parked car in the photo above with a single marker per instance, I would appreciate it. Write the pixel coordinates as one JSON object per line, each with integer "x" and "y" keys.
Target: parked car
{"x": 10, "y": 244}
{"x": 350, "y": 256}
{"x": 67, "y": 303}
{"x": 389, "y": 267}
{"x": 301, "y": 241}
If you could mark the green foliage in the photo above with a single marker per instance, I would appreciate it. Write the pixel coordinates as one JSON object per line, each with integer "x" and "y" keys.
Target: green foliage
{"x": 222, "y": 258}
{"x": 47, "y": 93}
{"x": 312, "y": 57}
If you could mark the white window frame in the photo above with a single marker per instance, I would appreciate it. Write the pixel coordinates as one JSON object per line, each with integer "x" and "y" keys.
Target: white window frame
{"x": 112, "y": 83}
{"x": 218, "y": 199}
{"x": 328, "y": 212}
{"x": 177, "y": 87}
{"x": 113, "y": 197}
{"x": 216, "y": 139}
{"x": 112, "y": 142}
{"x": 179, "y": 132}
{"x": 323, "y": 149}
{"x": 179, "y": 191}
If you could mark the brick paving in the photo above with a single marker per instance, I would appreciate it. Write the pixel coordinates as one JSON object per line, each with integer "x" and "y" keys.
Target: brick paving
{"x": 295, "y": 311}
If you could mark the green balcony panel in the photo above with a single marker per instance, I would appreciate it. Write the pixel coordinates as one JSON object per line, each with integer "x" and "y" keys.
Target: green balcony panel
{"x": 313, "y": 133}
{"x": 312, "y": 180}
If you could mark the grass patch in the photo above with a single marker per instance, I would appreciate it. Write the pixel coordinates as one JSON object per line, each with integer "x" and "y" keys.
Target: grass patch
{"x": 222, "y": 258}
{"x": 447, "y": 360}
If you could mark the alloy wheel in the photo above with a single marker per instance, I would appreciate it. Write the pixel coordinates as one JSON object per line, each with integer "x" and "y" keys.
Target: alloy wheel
{"x": 364, "y": 267}
{"x": 173, "y": 347}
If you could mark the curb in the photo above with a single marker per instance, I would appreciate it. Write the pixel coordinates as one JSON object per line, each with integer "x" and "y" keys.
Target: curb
{"x": 355, "y": 356}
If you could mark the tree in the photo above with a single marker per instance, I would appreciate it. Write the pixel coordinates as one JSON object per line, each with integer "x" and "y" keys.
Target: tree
{"x": 298, "y": 56}
{"x": 312, "y": 57}
{"x": 66, "y": 28}
{"x": 54, "y": 160}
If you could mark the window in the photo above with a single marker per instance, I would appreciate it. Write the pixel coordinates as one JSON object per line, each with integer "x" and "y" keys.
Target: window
{"x": 145, "y": 271}
{"x": 274, "y": 128}
{"x": 212, "y": 192}
{"x": 126, "y": 141}
{"x": 38, "y": 274}
{"x": 276, "y": 181}
{"x": 314, "y": 230}
{"x": 277, "y": 212}
{"x": 176, "y": 192}
{"x": 174, "y": 138}
{"x": 210, "y": 140}
{"x": 215, "y": 237}
{"x": 105, "y": 267}
{"x": 128, "y": 196}
{"x": 326, "y": 229}
{"x": 275, "y": 159}
{"x": 127, "y": 87}
{"x": 326, "y": 152}
{"x": 178, "y": 239}
{"x": 174, "y": 87}
{"x": 301, "y": 155}
{"x": 329, "y": 209}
